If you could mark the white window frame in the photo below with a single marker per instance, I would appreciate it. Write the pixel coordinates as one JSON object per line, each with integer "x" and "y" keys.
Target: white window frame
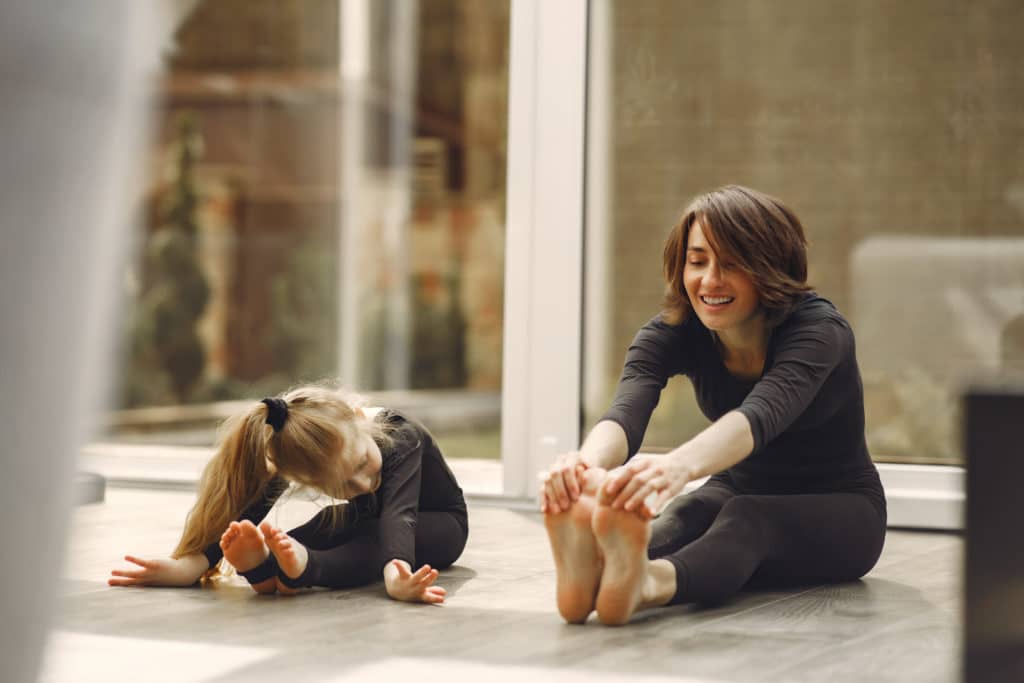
{"x": 544, "y": 238}
{"x": 544, "y": 268}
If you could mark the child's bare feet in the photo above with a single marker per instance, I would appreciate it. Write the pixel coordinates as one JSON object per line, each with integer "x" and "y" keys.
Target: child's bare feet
{"x": 622, "y": 537}
{"x": 244, "y": 548}
{"x": 577, "y": 560}
{"x": 291, "y": 555}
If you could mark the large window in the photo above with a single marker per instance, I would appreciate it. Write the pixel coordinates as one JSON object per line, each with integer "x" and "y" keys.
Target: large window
{"x": 325, "y": 199}
{"x": 892, "y": 129}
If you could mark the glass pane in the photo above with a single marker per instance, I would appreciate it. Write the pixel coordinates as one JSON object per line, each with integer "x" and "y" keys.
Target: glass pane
{"x": 325, "y": 200}
{"x": 893, "y": 130}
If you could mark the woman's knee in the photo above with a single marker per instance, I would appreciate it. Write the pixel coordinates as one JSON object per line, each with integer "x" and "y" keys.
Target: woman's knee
{"x": 742, "y": 509}
{"x": 682, "y": 521}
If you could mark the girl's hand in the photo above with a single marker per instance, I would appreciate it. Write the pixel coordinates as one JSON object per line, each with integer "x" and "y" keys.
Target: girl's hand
{"x": 561, "y": 485}
{"x": 404, "y": 584}
{"x": 183, "y": 571}
{"x": 645, "y": 483}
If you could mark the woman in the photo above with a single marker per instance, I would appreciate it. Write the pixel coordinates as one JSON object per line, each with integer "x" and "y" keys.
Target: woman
{"x": 793, "y": 495}
{"x": 405, "y": 513}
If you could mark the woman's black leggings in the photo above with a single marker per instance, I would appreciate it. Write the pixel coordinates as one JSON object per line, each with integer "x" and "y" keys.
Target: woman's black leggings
{"x": 720, "y": 540}
{"x": 344, "y": 555}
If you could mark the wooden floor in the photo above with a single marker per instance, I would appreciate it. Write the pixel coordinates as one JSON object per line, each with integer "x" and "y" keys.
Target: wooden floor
{"x": 901, "y": 623}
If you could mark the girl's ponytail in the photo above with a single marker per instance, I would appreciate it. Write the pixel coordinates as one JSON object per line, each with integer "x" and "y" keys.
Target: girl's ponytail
{"x": 233, "y": 480}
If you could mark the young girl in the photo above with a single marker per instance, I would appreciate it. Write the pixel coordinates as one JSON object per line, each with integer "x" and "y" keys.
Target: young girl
{"x": 405, "y": 517}
{"x": 793, "y": 495}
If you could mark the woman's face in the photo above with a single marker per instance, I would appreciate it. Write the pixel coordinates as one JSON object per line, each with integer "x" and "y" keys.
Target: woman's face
{"x": 722, "y": 295}
{"x": 364, "y": 459}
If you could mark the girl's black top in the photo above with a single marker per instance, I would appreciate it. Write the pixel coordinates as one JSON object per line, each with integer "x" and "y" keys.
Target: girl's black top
{"x": 806, "y": 411}
{"x": 414, "y": 477}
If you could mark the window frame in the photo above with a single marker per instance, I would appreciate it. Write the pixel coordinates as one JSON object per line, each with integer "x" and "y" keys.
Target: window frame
{"x": 551, "y": 136}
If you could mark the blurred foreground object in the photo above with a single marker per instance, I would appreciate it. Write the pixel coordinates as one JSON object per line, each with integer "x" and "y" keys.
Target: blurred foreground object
{"x": 994, "y": 571}
{"x": 72, "y": 115}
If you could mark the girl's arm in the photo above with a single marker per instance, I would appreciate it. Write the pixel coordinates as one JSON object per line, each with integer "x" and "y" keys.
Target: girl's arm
{"x": 399, "y": 494}
{"x": 404, "y": 584}
{"x": 183, "y": 571}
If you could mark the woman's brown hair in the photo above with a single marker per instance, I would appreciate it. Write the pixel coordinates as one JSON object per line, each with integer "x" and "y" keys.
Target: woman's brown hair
{"x": 760, "y": 234}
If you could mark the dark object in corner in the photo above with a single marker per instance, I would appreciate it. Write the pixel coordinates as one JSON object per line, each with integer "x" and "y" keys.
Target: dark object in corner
{"x": 994, "y": 572}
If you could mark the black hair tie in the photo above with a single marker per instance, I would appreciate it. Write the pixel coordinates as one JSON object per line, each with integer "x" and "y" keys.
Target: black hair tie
{"x": 277, "y": 412}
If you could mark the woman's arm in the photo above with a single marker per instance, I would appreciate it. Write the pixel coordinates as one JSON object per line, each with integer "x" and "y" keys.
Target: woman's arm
{"x": 605, "y": 447}
{"x": 657, "y": 352}
{"x": 723, "y": 444}
{"x": 807, "y": 350}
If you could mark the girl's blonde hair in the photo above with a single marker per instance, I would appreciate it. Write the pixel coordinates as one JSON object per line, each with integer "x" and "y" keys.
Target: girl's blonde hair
{"x": 308, "y": 449}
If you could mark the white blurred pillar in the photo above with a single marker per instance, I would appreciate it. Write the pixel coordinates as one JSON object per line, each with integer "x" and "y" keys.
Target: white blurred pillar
{"x": 72, "y": 116}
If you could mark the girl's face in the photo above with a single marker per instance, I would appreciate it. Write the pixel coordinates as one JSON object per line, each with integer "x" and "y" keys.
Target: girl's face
{"x": 722, "y": 295}
{"x": 364, "y": 461}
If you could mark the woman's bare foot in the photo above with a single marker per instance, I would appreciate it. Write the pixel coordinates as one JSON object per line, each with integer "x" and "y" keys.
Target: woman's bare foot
{"x": 577, "y": 560}
{"x": 244, "y": 548}
{"x": 622, "y": 537}
{"x": 291, "y": 555}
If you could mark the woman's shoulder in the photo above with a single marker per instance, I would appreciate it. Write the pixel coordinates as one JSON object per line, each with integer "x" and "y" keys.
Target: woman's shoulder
{"x": 815, "y": 320}
{"x": 813, "y": 309}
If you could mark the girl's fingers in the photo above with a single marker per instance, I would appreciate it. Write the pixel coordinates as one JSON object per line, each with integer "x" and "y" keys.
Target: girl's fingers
{"x": 148, "y": 564}
{"x": 430, "y": 577}
{"x": 128, "y": 573}
{"x": 403, "y": 571}
{"x": 124, "y": 582}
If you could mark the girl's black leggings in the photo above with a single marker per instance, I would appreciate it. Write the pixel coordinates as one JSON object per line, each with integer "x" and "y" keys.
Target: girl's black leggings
{"x": 345, "y": 555}
{"x": 720, "y": 540}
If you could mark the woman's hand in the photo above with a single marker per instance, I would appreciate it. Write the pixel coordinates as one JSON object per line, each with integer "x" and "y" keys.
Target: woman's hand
{"x": 402, "y": 583}
{"x": 183, "y": 571}
{"x": 645, "y": 483}
{"x": 561, "y": 485}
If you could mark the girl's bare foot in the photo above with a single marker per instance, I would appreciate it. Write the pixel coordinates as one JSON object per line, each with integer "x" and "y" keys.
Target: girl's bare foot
{"x": 577, "y": 560}
{"x": 622, "y": 537}
{"x": 244, "y": 548}
{"x": 291, "y": 555}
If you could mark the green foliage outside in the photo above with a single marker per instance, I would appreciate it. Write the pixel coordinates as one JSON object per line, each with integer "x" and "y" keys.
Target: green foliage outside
{"x": 166, "y": 356}
{"x": 303, "y": 305}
